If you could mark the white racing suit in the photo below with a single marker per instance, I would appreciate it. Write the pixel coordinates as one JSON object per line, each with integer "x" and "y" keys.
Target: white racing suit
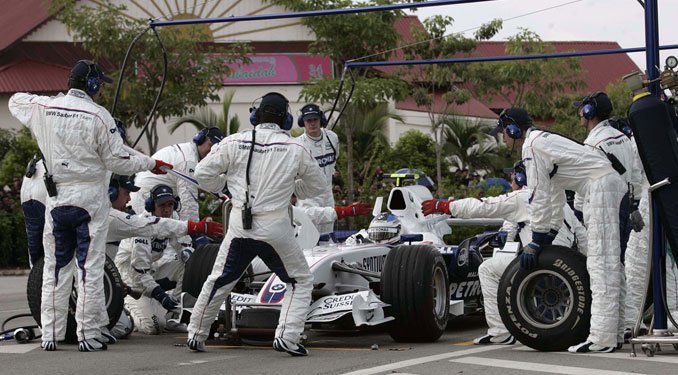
{"x": 79, "y": 141}
{"x": 278, "y": 164}
{"x": 555, "y": 163}
{"x": 145, "y": 263}
{"x": 326, "y": 152}
{"x": 606, "y": 139}
{"x": 184, "y": 157}
{"x": 123, "y": 225}
{"x": 33, "y": 198}
{"x": 512, "y": 207}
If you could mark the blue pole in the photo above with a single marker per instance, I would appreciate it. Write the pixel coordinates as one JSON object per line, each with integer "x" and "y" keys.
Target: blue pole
{"x": 313, "y": 13}
{"x": 503, "y": 58}
{"x": 652, "y": 44}
{"x": 658, "y": 257}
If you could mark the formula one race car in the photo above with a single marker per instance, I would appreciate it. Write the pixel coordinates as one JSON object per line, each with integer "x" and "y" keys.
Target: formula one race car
{"x": 399, "y": 273}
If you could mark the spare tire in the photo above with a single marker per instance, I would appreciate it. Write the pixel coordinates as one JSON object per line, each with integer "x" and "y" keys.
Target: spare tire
{"x": 112, "y": 290}
{"x": 547, "y": 308}
{"x": 415, "y": 283}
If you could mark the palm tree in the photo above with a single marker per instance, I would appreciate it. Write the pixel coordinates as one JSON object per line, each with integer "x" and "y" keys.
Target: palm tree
{"x": 204, "y": 117}
{"x": 469, "y": 144}
{"x": 368, "y": 141}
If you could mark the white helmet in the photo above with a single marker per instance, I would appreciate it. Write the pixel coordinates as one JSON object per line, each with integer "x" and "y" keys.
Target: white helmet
{"x": 385, "y": 228}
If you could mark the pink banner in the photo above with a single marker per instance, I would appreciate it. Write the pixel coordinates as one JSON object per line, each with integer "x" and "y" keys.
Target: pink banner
{"x": 279, "y": 69}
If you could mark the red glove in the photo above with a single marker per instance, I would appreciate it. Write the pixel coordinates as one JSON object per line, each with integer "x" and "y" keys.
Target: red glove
{"x": 355, "y": 209}
{"x": 206, "y": 226}
{"x": 159, "y": 164}
{"x": 433, "y": 206}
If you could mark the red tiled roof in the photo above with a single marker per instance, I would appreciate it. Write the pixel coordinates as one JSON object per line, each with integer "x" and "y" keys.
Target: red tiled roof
{"x": 19, "y": 18}
{"x": 33, "y": 76}
{"x": 598, "y": 71}
{"x": 472, "y": 108}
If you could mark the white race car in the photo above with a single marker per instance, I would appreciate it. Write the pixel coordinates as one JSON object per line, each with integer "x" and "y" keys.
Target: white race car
{"x": 399, "y": 272}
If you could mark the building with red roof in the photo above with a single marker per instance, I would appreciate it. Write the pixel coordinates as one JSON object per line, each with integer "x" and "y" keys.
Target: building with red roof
{"x": 37, "y": 52}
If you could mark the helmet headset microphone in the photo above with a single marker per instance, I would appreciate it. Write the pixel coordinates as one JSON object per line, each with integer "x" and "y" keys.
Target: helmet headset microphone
{"x": 285, "y": 115}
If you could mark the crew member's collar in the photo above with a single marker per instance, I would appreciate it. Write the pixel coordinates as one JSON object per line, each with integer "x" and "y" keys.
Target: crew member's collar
{"x": 268, "y": 125}
{"x": 600, "y": 125}
{"x": 317, "y": 139}
{"x": 79, "y": 94}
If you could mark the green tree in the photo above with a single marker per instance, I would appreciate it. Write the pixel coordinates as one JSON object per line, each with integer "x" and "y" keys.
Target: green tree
{"x": 532, "y": 84}
{"x": 204, "y": 117}
{"x": 567, "y": 117}
{"x": 17, "y": 154}
{"x": 436, "y": 83}
{"x": 413, "y": 150}
{"x": 469, "y": 146}
{"x": 621, "y": 97}
{"x": 194, "y": 72}
{"x": 370, "y": 142}
{"x": 336, "y": 37}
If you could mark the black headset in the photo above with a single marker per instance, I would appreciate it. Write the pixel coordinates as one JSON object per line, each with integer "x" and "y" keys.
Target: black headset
{"x": 149, "y": 203}
{"x": 590, "y": 105}
{"x": 113, "y": 188}
{"x": 520, "y": 177}
{"x": 254, "y": 117}
{"x": 92, "y": 84}
{"x": 507, "y": 122}
{"x": 200, "y": 136}
{"x": 315, "y": 109}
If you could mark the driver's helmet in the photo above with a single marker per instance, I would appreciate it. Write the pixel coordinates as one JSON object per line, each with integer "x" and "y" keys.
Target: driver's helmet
{"x": 385, "y": 228}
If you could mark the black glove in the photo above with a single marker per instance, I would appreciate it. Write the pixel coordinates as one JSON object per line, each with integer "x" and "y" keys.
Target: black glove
{"x": 166, "y": 300}
{"x": 166, "y": 284}
{"x": 637, "y": 221}
{"x": 529, "y": 256}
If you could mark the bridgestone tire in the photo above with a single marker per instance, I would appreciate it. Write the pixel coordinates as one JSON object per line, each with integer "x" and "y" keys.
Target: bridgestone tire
{"x": 198, "y": 267}
{"x": 547, "y": 308}
{"x": 112, "y": 289}
{"x": 415, "y": 283}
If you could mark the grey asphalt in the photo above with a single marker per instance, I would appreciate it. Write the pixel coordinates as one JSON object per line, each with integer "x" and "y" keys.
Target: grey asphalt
{"x": 330, "y": 353}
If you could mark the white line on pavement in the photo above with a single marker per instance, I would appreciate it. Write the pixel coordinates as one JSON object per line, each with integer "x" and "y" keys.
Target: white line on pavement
{"x": 18, "y": 348}
{"x": 205, "y": 360}
{"x": 621, "y": 355}
{"x": 420, "y": 360}
{"x": 537, "y": 367}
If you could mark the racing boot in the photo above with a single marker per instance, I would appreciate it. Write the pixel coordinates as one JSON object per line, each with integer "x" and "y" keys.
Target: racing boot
{"x": 49, "y": 346}
{"x": 295, "y": 350}
{"x": 195, "y": 345}
{"x": 106, "y": 336}
{"x": 91, "y": 345}
{"x": 589, "y": 347}
{"x": 503, "y": 339}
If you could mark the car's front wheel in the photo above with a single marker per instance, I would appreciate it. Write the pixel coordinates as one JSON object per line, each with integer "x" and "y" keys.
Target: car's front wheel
{"x": 415, "y": 283}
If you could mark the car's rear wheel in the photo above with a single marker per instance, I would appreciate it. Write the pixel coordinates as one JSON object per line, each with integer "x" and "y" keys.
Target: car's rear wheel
{"x": 112, "y": 290}
{"x": 415, "y": 283}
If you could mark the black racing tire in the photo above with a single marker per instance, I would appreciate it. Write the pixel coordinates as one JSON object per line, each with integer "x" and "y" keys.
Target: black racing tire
{"x": 547, "y": 308}
{"x": 112, "y": 289}
{"x": 415, "y": 283}
{"x": 198, "y": 267}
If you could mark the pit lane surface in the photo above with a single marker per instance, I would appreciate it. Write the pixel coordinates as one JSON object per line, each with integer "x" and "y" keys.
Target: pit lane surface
{"x": 330, "y": 353}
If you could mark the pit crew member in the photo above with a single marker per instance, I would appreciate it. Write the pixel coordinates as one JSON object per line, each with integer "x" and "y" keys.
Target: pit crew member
{"x": 262, "y": 167}
{"x": 79, "y": 143}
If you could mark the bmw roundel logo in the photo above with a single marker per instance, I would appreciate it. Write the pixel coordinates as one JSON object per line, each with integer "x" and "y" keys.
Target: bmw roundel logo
{"x": 278, "y": 287}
